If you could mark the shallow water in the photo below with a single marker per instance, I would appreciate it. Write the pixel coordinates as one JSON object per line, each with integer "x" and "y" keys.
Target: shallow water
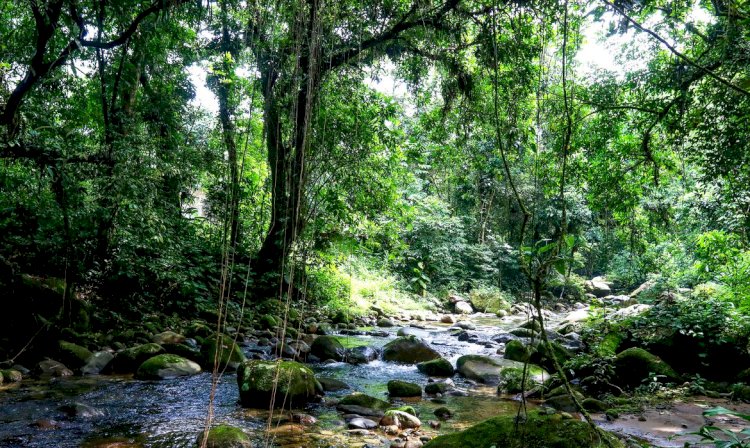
{"x": 171, "y": 413}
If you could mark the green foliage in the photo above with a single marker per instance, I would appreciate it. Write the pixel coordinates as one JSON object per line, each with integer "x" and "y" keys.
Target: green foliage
{"x": 724, "y": 438}
{"x": 490, "y": 299}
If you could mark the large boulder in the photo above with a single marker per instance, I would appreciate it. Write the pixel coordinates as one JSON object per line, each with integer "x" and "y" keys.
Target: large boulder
{"x": 225, "y": 436}
{"x": 516, "y": 350}
{"x": 129, "y": 359}
{"x": 489, "y": 370}
{"x": 463, "y": 308}
{"x": 598, "y": 287}
{"x": 97, "y": 362}
{"x": 361, "y": 355}
{"x": 166, "y": 366}
{"x": 635, "y": 364}
{"x": 328, "y": 347}
{"x": 73, "y": 355}
{"x": 168, "y": 337}
{"x": 358, "y": 403}
{"x": 398, "y": 388}
{"x": 294, "y": 383}
{"x": 540, "y": 431}
{"x": 401, "y": 419}
{"x": 50, "y": 367}
{"x": 436, "y": 367}
{"x": 227, "y": 352}
{"x": 409, "y": 350}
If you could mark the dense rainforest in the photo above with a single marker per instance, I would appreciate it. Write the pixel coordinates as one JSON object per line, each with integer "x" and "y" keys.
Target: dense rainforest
{"x": 355, "y": 203}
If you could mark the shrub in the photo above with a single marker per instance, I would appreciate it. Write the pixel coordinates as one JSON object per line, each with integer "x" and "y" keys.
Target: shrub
{"x": 490, "y": 299}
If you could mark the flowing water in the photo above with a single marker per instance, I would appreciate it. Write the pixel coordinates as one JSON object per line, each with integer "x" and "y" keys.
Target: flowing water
{"x": 118, "y": 411}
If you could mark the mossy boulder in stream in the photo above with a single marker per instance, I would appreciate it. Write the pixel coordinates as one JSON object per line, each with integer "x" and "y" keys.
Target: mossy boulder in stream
{"x": 73, "y": 355}
{"x": 398, "y": 388}
{"x": 516, "y": 350}
{"x": 537, "y": 432}
{"x": 129, "y": 359}
{"x": 490, "y": 370}
{"x": 229, "y": 354}
{"x": 409, "y": 350}
{"x": 359, "y": 403}
{"x": 225, "y": 436}
{"x": 437, "y": 367}
{"x": 635, "y": 364}
{"x": 295, "y": 383}
{"x": 166, "y": 366}
{"x": 328, "y": 347}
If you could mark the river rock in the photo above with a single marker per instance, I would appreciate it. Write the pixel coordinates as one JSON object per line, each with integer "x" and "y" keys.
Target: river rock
{"x": 296, "y": 383}
{"x": 464, "y": 325}
{"x": 129, "y": 359}
{"x": 436, "y": 367}
{"x": 50, "y": 367}
{"x": 409, "y": 350}
{"x": 328, "y": 347}
{"x": 463, "y": 307}
{"x": 598, "y": 287}
{"x": 385, "y": 322}
{"x": 168, "y": 337}
{"x": 73, "y": 355}
{"x": 443, "y": 413}
{"x": 361, "y": 355}
{"x": 225, "y": 436}
{"x": 487, "y": 370}
{"x": 546, "y": 431}
{"x": 97, "y": 362}
{"x": 82, "y": 410}
{"x": 635, "y": 364}
{"x": 166, "y": 366}
{"x": 516, "y": 351}
{"x": 229, "y": 353}
{"x": 361, "y": 423}
{"x": 439, "y": 387}
{"x": 401, "y": 419}
{"x": 11, "y": 375}
{"x": 358, "y": 403}
{"x": 409, "y": 331}
{"x": 398, "y": 388}
{"x": 332, "y": 385}
{"x": 447, "y": 319}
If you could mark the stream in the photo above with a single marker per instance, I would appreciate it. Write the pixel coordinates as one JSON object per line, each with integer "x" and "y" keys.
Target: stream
{"x": 118, "y": 411}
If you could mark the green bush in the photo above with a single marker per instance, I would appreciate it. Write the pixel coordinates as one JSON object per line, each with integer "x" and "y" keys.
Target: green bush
{"x": 490, "y": 299}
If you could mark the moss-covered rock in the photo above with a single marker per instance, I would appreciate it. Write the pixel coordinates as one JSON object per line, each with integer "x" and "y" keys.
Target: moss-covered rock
{"x": 409, "y": 350}
{"x": 328, "y": 347}
{"x": 398, "y": 388}
{"x": 635, "y": 364}
{"x": 295, "y": 383}
{"x": 73, "y": 355}
{"x": 229, "y": 354}
{"x": 268, "y": 322}
{"x": 610, "y": 344}
{"x": 437, "y": 367}
{"x": 516, "y": 351}
{"x": 594, "y": 405}
{"x": 166, "y": 366}
{"x": 539, "y": 432}
{"x": 541, "y": 355}
{"x": 490, "y": 370}
{"x": 436, "y": 388}
{"x": 523, "y": 332}
{"x": 167, "y": 337}
{"x": 225, "y": 436}
{"x": 11, "y": 375}
{"x": 128, "y": 360}
{"x": 364, "y": 401}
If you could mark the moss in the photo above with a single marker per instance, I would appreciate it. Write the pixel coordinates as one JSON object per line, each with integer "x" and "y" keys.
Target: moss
{"x": 409, "y": 350}
{"x": 230, "y": 355}
{"x": 594, "y": 405}
{"x": 268, "y": 322}
{"x": 537, "y": 432}
{"x": 128, "y": 360}
{"x": 295, "y": 383}
{"x": 225, "y": 436}
{"x": 437, "y": 367}
{"x": 436, "y": 388}
{"x": 516, "y": 351}
{"x": 11, "y": 375}
{"x": 72, "y": 354}
{"x": 365, "y": 401}
{"x": 512, "y": 378}
{"x": 398, "y": 388}
{"x": 635, "y": 364}
{"x": 165, "y": 366}
{"x": 610, "y": 344}
{"x": 407, "y": 409}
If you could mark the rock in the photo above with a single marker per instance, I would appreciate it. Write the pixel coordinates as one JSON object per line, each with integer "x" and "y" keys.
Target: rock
{"x": 485, "y": 369}
{"x": 443, "y": 413}
{"x": 97, "y": 362}
{"x": 284, "y": 350}
{"x": 635, "y": 364}
{"x": 225, "y": 436}
{"x": 455, "y": 298}
{"x": 409, "y": 331}
{"x": 385, "y": 322}
{"x": 268, "y": 322}
{"x": 82, "y": 410}
{"x": 296, "y": 383}
{"x": 324, "y": 328}
{"x": 402, "y": 419}
{"x": 398, "y": 388}
{"x": 229, "y": 354}
{"x": 72, "y": 354}
{"x": 409, "y": 350}
{"x": 464, "y": 325}
{"x": 363, "y": 401}
{"x": 438, "y": 387}
{"x": 516, "y": 351}
{"x": 523, "y": 332}
{"x": 166, "y": 366}
{"x": 361, "y": 423}
{"x": 597, "y": 287}
{"x": 436, "y": 367}
{"x": 50, "y": 367}
{"x": 542, "y": 432}
{"x": 630, "y": 311}
{"x": 128, "y": 360}
{"x": 463, "y": 308}
{"x": 643, "y": 288}
{"x": 594, "y": 405}
{"x": 168, "y": 337}
{"x": 361, "y": 355}
{"x": 11, "y": 375}
{"x": 328, "y": 347}
{"x": 563, "y": 402}
{"x": 447, "y": 319}
{"x": 541, "y": 355}
{"x": 185, "y": 349}
{"x": 332, "y": 385}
